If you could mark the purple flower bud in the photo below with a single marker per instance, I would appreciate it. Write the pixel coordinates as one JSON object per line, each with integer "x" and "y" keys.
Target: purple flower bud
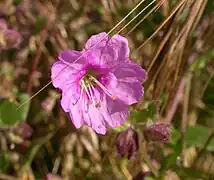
{"x": 12, "y": 38}
{"x": 23, "y": 130}
{"x": 141, "y": 175}
{"x": 127, "y": 143}
{"x": 158, "y": 132}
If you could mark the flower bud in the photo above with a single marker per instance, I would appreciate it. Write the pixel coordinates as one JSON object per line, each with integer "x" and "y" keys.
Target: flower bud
{"x": 158, "y": 132}
{"x": 23, "y": 130}
{"x": 12, "y": 39}
{"x": 127, "y": 143}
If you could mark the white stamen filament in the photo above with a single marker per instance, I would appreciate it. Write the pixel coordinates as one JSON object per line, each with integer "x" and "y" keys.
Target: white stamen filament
{"x": 91, "y": 93}
{"x": 98, "y": 102}
{"x": 102, "y": 87}
{"x": 86, "y": 89}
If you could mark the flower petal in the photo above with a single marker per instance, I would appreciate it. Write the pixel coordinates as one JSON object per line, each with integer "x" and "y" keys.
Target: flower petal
{"x": 70, "y": 96}
{"x": 127, "y": 92}
{"x": 120, "y": 45}
{"x": 130, "y": 72}
{"x": 117, "y": 112}
{"x": 70, "y": 57}
{"x": 116, "y": 51}
{"x": 108, "y": 51}
{"x": 97, "y": 41}
{"x": 97, "y": 120}
{"x": 62, "y": 74}
{"x": 76, "y": 116}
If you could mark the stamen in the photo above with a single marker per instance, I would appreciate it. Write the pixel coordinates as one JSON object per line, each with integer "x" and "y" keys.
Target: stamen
{"x": 102, "y": 87}
{"x": 91, "y": 93}
{"x": 98, "y": 104}
{"x": 86, "y": 90}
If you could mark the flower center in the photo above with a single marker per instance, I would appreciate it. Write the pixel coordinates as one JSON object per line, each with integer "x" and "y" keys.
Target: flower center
{"x": 89, "y": 83}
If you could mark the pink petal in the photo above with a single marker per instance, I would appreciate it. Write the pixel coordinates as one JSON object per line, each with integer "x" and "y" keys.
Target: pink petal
{"x": 62, "y": 74}
{"x": 76, "y": 117}
{"x": 70, "y": 95}
{"x": 130, "y": 72}
{"x": 110, "y": 111}
{"x": 97, "y": 120}
{"x": 116, "y": 112}
{"x": 70, "y": 57}
{"x": 97, "y": 41}
{"x": 115, "y": 52}
{"x": 121, "y": 47}
{"x": 118, "y": 118}
{"x": 108, "y": 51}
{"x": 93, "y": 115}
{"x": 128, "y": 93}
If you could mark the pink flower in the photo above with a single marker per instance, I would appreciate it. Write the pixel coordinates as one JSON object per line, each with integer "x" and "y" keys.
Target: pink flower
{"x": 99, "y": 82}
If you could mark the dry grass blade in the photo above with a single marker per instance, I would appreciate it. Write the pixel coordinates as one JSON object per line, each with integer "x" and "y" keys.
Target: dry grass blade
{"x": 172, "y": 49}
{"x": 136, "y": 16}
{"x": 155, "y": 8}
{"x": 174, "y": 10}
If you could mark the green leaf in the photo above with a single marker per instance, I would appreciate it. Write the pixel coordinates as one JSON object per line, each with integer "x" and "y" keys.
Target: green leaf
{"x": 10, "y": 114}
{"x": 148, "y": 114}
{"x": 40, "y": 24}
{"x": 172, "y": 158}
{"x": 123, "y": 127}
{"x": 175, "y": 135}
{"x": 197, "y": 136}
{"x": 25, "y": 108}
{"x": 191, "y": 172}
{"x": 4, "y": 162}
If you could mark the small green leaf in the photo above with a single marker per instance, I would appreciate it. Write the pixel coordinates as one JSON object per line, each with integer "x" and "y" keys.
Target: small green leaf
{"x": 25, "y": 108}
{"x": 148, "y": 114}
{"x": 10, "y": 114}
{"x": 172, "y": 158}
{"x": 190, "y": 172}
{"x": 174, "y": 136}
{"x": 4, "y": 162}
{"x": 40, "y": 24}
{"x": 123, "y": 127}
{"x": 196, "y": 135}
